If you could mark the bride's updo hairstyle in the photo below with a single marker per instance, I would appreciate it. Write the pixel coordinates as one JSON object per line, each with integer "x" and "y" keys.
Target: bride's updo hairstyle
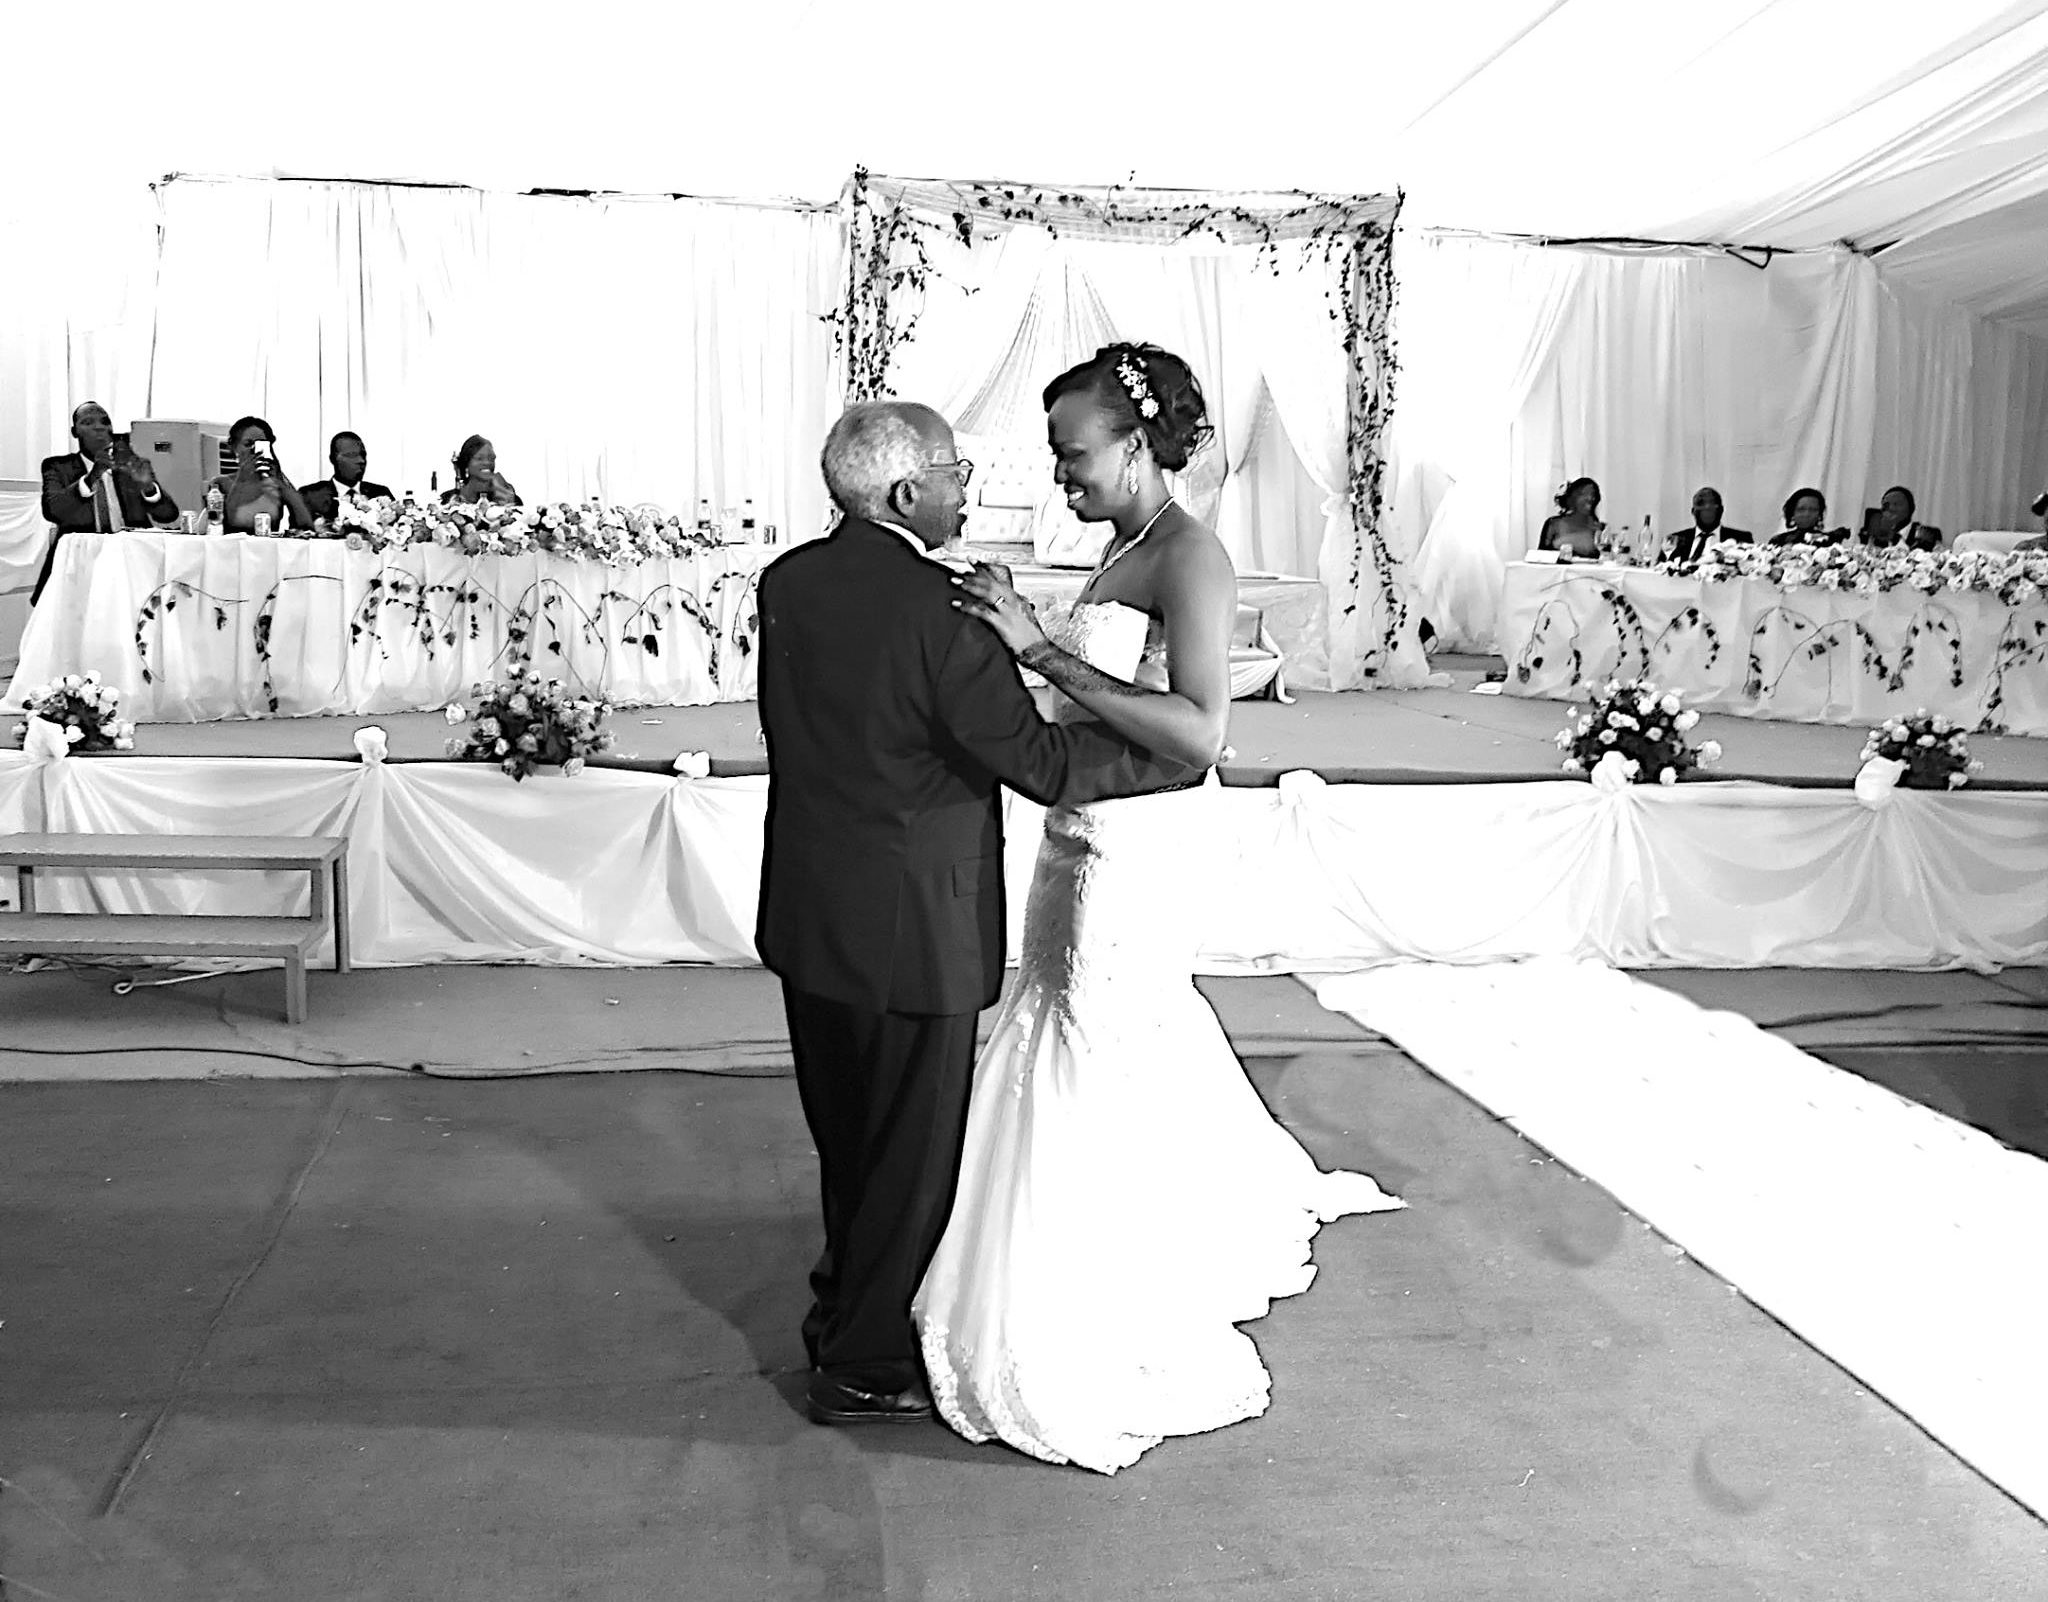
{"x": 1142, "y": 386}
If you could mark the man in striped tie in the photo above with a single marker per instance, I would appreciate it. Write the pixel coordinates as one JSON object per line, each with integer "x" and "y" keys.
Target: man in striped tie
{"x": 97, "y": 489}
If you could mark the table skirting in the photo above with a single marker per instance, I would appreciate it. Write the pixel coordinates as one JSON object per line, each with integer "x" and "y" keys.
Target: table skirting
{"x": 195, "y": 628}
{"x": 453, "y": 862}
{"x": 192, "y": 628}
{"x": 1752, "y": 648}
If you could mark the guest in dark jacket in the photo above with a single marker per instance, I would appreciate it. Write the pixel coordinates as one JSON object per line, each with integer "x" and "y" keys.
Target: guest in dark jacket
{"x": 1898, "y": 523}
{"x": 98, "y": 488}
{"x": 349, "y": 458}
{"x": 1689, "y": 545}
{"x": 1806, "y": 510}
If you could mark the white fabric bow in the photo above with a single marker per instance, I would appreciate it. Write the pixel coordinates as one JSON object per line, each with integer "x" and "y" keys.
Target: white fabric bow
{"x": 44, "y": 741}
{"x": 1876, "y": 780}
{"x": 372, "y": 744}
{"x": 694, "y": 764}
{"x": 1615, "y": 772}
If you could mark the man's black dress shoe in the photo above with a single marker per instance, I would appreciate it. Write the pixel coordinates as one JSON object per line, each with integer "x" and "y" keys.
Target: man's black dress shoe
{"x": 832, "y": 1401}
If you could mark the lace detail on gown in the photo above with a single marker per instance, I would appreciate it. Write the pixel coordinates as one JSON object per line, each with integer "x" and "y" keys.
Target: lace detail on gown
{"x": 1125, "y": 1199}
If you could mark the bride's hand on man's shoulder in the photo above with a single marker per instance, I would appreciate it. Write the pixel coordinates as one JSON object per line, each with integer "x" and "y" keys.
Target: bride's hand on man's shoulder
{"x": 986, "y": 593}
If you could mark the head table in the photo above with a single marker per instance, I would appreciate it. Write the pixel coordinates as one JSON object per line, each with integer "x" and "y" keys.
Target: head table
{"x": 193, "y": 628}
{"x": 1801, "y": 653}
{"x": 196, "y": 628}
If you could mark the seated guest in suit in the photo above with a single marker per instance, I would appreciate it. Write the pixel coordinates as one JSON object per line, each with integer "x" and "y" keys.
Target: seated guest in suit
{"x": 1897, "y": 523}
{"x": 349, "y": 458}
{"x": 1707, "y": 529}
{"x": 98, "y": 488}
{"x": 1576, "y": 528}
{"x": 477, "y": 476}
{"x": 2040, "y": 541}
{"x": 258, "y": 484}
{"x": 1805, "y": 511}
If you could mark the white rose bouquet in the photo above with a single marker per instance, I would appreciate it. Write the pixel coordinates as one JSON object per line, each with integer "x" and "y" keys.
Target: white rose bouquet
{"x": 1634, "y": 733}
{"x": 84, "y": 709}
{"x": 1934, "y": 751}
{"x": 523, "y": 722}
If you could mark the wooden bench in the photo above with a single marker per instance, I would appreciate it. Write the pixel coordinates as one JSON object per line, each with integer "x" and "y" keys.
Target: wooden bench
{"x": 291, "y": 940}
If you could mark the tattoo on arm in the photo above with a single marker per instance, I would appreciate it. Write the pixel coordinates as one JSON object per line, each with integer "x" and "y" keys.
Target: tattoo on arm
{"x": 1071, "y": 674}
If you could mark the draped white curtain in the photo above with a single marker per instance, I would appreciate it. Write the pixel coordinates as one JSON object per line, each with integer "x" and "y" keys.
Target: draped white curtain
{"x": 1003, "y": 318}
{"x": 1659, "y": 371}
{"x": 633, "y": 349}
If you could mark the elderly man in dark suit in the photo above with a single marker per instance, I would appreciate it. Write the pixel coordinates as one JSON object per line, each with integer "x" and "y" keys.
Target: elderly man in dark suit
{"x": 98, "y": 488}
{"x": 892, "y": 718}
{"x": 349, "y": 458}
{"x": 1691, "y": 544}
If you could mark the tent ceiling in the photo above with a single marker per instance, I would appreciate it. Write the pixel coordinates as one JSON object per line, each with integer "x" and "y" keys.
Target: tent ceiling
{"x": 1922, "y": 128}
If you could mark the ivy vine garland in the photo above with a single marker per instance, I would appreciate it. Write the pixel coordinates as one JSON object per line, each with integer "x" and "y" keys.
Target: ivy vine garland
{"x": 890, "y": 224}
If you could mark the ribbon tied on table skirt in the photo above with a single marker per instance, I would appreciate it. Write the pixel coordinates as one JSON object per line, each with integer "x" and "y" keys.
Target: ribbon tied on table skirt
{"x": 44, "y": 741}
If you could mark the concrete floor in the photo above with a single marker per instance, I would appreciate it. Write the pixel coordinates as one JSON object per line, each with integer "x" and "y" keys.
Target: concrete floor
{"x": 387, "y": 1336}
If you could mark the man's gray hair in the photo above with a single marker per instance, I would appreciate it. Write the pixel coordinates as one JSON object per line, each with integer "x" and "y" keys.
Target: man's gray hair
{"x": 873, "y": 446}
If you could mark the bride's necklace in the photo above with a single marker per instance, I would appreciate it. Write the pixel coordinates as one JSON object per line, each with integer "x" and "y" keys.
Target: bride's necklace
{"x": 1109, "y": 561}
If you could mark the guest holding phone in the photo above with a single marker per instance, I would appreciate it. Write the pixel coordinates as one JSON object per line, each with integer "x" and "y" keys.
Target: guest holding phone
{"x": 477, "y": 476}
{"x": 258, "y": 486}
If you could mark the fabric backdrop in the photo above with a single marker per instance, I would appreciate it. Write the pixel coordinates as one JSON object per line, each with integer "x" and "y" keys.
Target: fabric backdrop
{"x": 1657, "y": 371}
{"x": 1004, "y": 316}
{"x": 638, "y": 350}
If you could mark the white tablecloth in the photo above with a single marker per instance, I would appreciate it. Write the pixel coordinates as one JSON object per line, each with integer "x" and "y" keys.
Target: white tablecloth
{"x": 192, "y": 628}
{"x": 1808, "y": 655}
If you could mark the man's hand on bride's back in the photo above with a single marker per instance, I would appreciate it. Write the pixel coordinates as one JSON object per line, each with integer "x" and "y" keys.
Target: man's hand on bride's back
{"x": 987, "y": 593}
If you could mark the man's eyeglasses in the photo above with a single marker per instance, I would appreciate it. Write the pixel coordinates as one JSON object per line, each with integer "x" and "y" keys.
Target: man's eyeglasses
{"x": 962, "y": 470}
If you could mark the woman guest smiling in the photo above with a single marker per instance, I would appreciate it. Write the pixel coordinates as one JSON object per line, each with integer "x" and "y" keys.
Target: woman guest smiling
{"x": 1576, "y": 527}
{"x": 477, "y": 476}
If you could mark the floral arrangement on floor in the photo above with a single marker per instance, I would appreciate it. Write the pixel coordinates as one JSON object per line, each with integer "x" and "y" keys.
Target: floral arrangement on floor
{"x": 523, "y": 722}
{"x": 84, "y": 709}
{"x": 612, "y": 535}
{"x": 2015, "y": 577}
{"x": 1634, "y": 733}
{"x": 1922, "y": 753}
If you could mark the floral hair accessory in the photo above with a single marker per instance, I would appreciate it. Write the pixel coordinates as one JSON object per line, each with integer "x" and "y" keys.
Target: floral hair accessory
{"x": 1131, "y": 375}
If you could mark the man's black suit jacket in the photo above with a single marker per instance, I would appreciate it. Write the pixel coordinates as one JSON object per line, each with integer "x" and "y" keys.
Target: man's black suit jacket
{"x": 321, "y": 500}
{"x": 73, "y": 513}
{"x": 891, "y": 719}
{"x": 1686, "y": 544}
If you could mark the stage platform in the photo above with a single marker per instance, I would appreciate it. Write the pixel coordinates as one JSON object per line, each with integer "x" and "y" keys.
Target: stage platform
{"x": 1425, "y": 825}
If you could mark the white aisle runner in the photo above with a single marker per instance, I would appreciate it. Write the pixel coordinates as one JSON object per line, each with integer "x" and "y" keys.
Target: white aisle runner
{"x": 1910, "y": 1249}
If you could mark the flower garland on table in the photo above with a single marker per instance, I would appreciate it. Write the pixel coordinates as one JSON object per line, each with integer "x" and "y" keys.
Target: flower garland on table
{"x": 1923, "y": 752}
{"x": 523, "y": 722}
{"x": 611, "y": 535}
{"x": 893, "y": 225}
{"x": 84, "y": 709}
{"x": 1633, "y": 733}
{"x": 2017, "y": 578}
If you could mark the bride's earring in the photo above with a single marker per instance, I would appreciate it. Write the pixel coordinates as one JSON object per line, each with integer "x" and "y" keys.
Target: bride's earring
{"x": 1131, "y": 474}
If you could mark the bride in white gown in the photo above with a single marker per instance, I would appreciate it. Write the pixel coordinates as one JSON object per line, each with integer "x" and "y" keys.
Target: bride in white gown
{"x": 1125, "y": 1199}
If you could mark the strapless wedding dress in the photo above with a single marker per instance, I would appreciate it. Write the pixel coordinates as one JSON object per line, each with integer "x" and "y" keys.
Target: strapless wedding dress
{"x": 1125, "y": 1199}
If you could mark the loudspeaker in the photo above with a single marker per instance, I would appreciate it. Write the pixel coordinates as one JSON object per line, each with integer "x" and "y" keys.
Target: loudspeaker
{"x": 187, "y": 456}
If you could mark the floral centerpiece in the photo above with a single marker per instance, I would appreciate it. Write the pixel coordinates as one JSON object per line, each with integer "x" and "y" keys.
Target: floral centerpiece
{"x": 84, "y": 709}
{"x": 1925, "y": 753}
{"x": 523, "y": 722}
{"x": 1633, "y": 733}
{"x": 612, "y": 535}
{"x": 2015, "y": 577}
